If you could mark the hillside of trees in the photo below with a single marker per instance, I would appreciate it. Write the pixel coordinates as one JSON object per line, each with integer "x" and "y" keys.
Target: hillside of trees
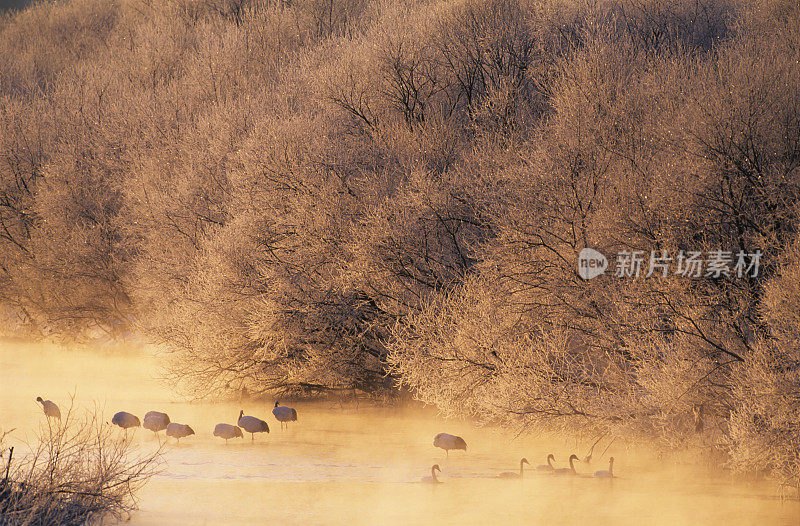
{"x": 313, "y": 196}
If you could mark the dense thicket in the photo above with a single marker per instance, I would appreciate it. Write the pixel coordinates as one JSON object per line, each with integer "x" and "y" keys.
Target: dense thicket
{"x": 363, "y": 194}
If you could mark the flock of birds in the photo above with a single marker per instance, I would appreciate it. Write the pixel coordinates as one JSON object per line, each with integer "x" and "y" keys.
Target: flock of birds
{"x": 156, "y": 421}
{"x": 447, "y": 442}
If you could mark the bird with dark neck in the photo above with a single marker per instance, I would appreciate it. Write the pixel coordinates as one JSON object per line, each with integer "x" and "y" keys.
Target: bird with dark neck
{"x": 284, "y": 414}
{"x": 50, "y": 409}
{"x": 252, "y": 425}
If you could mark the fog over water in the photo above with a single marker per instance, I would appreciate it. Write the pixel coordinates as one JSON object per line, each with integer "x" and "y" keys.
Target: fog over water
{"x": 362, "y": 464}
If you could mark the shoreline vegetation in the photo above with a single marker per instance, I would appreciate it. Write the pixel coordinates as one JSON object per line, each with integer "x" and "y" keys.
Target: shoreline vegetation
{"x": 310, "y": 197}
{"x": 77, "y": 471}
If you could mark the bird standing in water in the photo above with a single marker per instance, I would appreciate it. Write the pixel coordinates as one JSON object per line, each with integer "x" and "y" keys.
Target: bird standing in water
{"x": 50, "y": 409}
{"x": 227, "y": 431}
{"x": 125, "y": 421}
{"x": 252, "y": 425}
{"x": 155, "y": 421}
{"x": 179, "y": 431}
{"x": 447, "y": 442}
{"x": 284, "y": 414}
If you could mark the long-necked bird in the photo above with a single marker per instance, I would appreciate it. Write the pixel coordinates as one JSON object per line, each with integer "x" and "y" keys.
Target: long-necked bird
{"x": 50, "y": 409}
{"x": 514, "y": 474}
{"x": 252, "y": 425}
{"x": 447, "y": 442}
{"x": 284, "y": 414}
{"x": 432, "y": 479}
{"x": 548, "y": 466}
{"x": 571, "y": 469}
{"x": 606, "y": 474}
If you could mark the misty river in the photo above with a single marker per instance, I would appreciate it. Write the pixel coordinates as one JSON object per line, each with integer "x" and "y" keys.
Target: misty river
{"x": 362, "y": 464}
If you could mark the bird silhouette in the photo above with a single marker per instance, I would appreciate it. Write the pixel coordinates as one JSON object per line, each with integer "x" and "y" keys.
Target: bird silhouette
{"x": 252, "y": 425}
{"x": 447, "y": 442}
{"x": 125, "y": 421}
{"x": 433, "y": 479}
{"x": 548, "y": 466}
{"x": 284, "y": 414}
{"x": 179, "y": 431}
{"x": 571, "y": 469}
{"x": 514, "y": 474}
{"x": 606, "y": 474}
{"x": 50, "y": 409}
{"x": 155, "y": 421}
{"x": 227, "y": 431}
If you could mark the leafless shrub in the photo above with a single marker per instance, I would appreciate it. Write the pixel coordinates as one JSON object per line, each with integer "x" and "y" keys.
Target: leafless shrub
{"x": 77, "y": 471}
{"x": 331, "y": 17}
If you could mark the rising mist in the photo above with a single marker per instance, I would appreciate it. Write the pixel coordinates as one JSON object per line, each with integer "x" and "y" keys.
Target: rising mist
{"x": 389, "y": 198}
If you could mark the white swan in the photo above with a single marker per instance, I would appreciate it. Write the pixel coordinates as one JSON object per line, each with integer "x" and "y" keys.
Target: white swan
{"x": 432, "y": 479}
{"x": 447, "y": 442}
{"x": 252, "y": 425}
{"x": 51, "y": 410}
{"x": 571, "y": 469}
{"x": 606, "y": 474}
{"x": 155, "y": 421}
{"x": 179, "y": 431}
{"x": 513, "y": 474}
{"x": 284, "y": 414}
{"x": 548, "y": 466}
{"x": 227, "y": 432}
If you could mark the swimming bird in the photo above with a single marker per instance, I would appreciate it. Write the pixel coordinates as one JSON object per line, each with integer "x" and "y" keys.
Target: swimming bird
{"x": 284, "y": 414}
{"x": 447, "y": 442}
{"x": 432, "y": 479}
{"x": 51, "y": 410}
{"x": 179, "y": 431}
{"x": 512, "y": 474}
{"x": 125, "y": 421}
{"x": 252, "y": 425}
{"x": 227, "y": 432}
{"x": 571, "y": 469}
{"x": 548, "y": 466}
{"x": 155, "y": 421}
{"x": 606, "y": 474}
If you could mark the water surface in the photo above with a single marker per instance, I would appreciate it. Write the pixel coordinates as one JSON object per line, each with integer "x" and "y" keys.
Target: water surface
{"x": 361, "y": 464}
